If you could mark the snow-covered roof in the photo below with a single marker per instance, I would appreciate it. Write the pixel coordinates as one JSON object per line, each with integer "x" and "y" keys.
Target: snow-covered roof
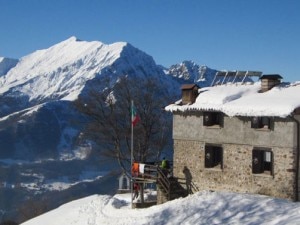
{"x": 245, "y": 100}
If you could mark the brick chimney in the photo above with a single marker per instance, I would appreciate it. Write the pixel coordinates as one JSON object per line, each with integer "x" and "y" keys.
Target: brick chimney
{"x": 189, "y": 93}
{"x": 268, "y": 81}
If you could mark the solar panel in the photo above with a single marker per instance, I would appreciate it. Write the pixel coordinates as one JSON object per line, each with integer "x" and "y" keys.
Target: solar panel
{"x": 234, "y": 76}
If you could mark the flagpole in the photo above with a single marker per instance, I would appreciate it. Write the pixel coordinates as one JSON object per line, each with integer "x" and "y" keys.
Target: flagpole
{"x": 131, "y": 155}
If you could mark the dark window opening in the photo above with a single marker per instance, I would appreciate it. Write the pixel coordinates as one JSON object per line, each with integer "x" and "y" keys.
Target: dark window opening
{"x": 260, "y": 122}
{"x": 213, "y": 156}
{"x": 212, "y": 118}
{"x": 262, "y": 161}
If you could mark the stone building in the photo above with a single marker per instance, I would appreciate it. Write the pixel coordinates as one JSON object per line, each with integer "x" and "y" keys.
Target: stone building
{"x": 236, "y": 137}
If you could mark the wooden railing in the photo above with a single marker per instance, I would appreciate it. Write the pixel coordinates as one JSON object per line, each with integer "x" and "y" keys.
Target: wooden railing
{"x": 163, "y": 181}
{"x": 154, "y": 173}
{"x": 149, "y": 175}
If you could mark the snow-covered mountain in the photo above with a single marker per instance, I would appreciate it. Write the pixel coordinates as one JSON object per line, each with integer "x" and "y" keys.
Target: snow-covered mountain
{"x": 37, "y": 113}
{"x": 62, "y": 71}
{"x": 40, "y": 87}
{"x": 189, "y": 71}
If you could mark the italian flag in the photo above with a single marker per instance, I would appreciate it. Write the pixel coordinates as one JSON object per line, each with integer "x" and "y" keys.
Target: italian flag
{"x": 134, "y": 116}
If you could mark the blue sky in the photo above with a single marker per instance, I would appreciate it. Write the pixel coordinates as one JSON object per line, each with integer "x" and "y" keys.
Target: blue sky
{"x": 261, "y": 35}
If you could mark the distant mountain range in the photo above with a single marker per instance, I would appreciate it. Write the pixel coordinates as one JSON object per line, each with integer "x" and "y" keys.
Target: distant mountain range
{"x": 190, "y": 72}
{"x": 37, "y": 90}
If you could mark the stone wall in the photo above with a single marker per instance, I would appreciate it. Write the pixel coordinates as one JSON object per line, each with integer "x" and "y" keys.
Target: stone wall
{"x": 236, "y": 175}
{"x": 189, "y": 126}
{"x": 237, "y": 139}
{"x": 297, "y": 118}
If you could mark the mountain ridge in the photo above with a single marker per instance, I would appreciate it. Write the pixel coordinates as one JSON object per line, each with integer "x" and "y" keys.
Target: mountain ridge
{"x": 67, "y": 69}
{"x": 56, "y": 76}
{"x": 189, "y": 71}
{"x": 59, "y": 68}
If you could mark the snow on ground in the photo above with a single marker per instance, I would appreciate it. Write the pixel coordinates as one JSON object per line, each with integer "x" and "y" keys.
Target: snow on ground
{"x": 201, "y": 208}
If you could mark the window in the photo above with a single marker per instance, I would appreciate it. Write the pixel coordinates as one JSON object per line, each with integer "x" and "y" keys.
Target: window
{"x": 213, "y": 156}
{"x": 212, "y": 118}
{"x": 262, "y": 161}
{"x": 260, "y": 122}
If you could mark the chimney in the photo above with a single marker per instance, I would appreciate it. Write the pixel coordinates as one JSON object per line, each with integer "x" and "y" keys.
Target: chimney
{"x": 189, "y": 93}
{"x": 268, "y": 81}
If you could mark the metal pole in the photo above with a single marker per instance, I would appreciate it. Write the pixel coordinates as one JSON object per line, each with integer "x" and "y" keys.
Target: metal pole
{"x": 131, "y": 157}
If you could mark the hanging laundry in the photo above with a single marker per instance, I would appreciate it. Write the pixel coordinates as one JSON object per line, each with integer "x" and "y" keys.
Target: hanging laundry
{"x": 135, "y": 170}
{"x": 142, "y": 168}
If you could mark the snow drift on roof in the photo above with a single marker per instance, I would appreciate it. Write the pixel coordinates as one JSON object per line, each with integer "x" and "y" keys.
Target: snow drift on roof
{"x": 245, "y": 100}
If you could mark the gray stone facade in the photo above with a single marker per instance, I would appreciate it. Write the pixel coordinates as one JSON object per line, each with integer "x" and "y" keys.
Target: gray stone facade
{"x": 237, "y": 139}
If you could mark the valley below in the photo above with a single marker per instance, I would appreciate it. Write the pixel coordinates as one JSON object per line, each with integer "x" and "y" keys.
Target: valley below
{"x": 28, "y": 189}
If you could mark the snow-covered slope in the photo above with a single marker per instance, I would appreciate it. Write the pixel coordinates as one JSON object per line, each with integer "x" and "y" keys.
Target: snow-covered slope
{"x": 6, "y": 64}
{"x": 60, "y": 70}
{"x": 200, "y": 208}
